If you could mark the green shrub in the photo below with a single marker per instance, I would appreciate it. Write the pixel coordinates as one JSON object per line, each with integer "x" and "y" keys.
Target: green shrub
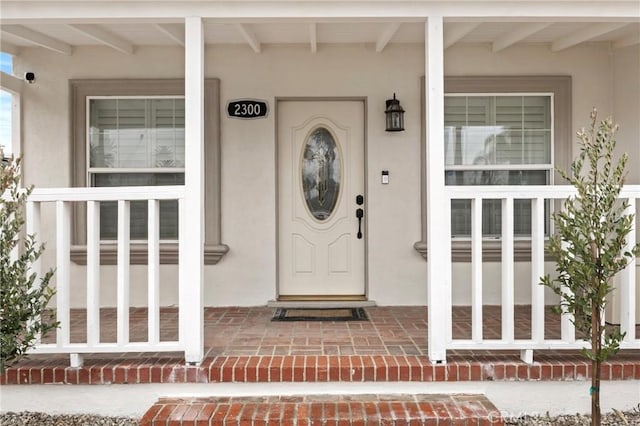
{"x": 589, "y": 245}
{"x": 23, "y": 295}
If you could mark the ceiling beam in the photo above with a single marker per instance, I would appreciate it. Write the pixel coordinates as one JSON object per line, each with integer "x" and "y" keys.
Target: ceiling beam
{"x": 10, "y": 83}
{"x": 313, "y": 37}
{"x": 630, "y": 40}
{"x": 455, "y": 32}
{"x": 520, "y": 33}
{"x": 174, "y": 31}
{"x": 585, "y": 34}
{"x": 105, "y": 37}
{"x": 9, "y": 48}
{"x": 386, "y": 36}
{"x": 38, "y": 39}
{"x": 249, "y": 37}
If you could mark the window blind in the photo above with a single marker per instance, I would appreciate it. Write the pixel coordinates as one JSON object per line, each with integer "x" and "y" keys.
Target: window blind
{"x": 136, "y": 133}
{"x": 496, "y": 140}
{"x": 127, "y": 138}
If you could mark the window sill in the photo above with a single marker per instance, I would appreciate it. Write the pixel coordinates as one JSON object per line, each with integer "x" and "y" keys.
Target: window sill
{"x": 138, "y": 254}
{"x": 491, "y": 251}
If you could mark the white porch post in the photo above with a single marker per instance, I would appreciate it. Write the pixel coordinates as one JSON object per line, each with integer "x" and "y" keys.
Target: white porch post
{"x": 438, "y": 207}
{"x": 192, "y": 215}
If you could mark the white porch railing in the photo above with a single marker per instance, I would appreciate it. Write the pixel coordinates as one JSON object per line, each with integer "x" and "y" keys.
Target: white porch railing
{"x": 626, "y": 291}
{"x": 153, "y": 195}
{"x": 91, "y": 197}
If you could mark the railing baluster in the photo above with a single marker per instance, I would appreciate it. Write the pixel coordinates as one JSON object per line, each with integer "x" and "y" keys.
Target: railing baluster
{"x": 153, "y": 291}
{"x": 63, "y": 266}
{"x": 476, "y": 269}
{"x": 507, "y": 270}
{"x": 182, "y": 272}
{"x": 33, "y": 228}
{"x": 14, "y": 254}
{"x": 537, "y": 269}
{"x": 567, "y": 328}
{"x": 123, "y": 272}
{"x": 447, "y": 271}
{"x": 93, "y": 272}
{"x": 628, "y": 283}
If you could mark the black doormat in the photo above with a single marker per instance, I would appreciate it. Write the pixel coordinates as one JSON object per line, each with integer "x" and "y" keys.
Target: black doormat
{"x": 319, "y": 314}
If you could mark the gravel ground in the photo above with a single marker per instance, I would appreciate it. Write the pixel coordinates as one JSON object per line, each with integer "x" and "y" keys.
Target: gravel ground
{"x": 616, "y": 418}
{"x": 27, "y": 418}
{"x": 41, "y": 419}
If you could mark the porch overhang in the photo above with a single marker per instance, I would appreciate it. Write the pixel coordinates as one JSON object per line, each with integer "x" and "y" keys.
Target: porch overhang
{"x": 173, "y": 11}
{"x": 63, "y": 26}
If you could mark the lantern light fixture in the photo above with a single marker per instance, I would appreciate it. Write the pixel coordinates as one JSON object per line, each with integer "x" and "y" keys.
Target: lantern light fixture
{"x": 394, "y": 115}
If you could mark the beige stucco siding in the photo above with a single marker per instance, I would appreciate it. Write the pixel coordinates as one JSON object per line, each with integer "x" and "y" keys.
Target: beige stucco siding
{"x": 626, "y": 92}
{"x": 247, "y": 274}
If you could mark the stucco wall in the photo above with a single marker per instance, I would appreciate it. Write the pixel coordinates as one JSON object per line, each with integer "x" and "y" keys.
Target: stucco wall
{"x": 247, "y": 274}
{"x": 626, "y": 111}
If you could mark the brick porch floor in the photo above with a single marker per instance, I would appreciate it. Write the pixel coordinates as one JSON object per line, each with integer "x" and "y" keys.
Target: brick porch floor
{"x": 246, "y": 331}
{"x": 244, "y": 345}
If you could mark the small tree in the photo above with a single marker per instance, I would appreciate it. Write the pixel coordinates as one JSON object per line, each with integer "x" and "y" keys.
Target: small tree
{"x": 589, "y": 246}
{"x": 23, "y": 301}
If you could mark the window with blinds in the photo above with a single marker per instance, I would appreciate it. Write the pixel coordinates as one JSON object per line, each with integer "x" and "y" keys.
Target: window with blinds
{"x": 504, "y": 139}
{"x": 136, "y": 142}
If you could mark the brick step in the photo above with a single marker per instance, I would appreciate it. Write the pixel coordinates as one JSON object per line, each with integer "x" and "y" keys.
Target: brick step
{"x": 308, "y": 368}
{"x": 458, "y": 410}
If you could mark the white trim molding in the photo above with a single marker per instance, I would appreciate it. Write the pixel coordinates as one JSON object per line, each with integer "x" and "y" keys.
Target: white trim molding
{"x": 174, "y": 11}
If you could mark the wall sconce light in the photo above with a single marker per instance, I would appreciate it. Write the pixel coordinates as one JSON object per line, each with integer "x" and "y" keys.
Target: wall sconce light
{"x": 394, "y": 115}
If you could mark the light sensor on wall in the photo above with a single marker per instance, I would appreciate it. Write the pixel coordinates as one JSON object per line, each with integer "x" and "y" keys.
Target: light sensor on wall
{"x": 394, "y": 115}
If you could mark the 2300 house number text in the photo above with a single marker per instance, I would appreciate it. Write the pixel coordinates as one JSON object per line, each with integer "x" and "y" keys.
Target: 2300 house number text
{"x": 247, "y": 108}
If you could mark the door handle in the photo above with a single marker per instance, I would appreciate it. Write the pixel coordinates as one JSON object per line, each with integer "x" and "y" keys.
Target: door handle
{"x": 359, "y": 215}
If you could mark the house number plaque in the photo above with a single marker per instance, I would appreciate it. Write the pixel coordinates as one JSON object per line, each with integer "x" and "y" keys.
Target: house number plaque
{"x": 247, "y": 108}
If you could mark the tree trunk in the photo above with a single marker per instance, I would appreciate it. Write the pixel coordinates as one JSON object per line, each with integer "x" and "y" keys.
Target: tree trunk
{"x": 596, "y": 345}
{"x": 595, "y": 393}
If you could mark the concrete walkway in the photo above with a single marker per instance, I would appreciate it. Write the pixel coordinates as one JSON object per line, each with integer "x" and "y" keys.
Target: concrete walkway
{"x": 511, "y": 398}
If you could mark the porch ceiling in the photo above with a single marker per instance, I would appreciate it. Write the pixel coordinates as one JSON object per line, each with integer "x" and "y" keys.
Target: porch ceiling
{"x": 125, "y": 36}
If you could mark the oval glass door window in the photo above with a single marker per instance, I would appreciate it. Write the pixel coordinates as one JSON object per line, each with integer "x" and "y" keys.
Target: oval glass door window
{"x": 321, "y": 173}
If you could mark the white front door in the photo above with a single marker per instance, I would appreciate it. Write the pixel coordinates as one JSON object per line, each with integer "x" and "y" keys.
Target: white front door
{"x": 321, "y": 241}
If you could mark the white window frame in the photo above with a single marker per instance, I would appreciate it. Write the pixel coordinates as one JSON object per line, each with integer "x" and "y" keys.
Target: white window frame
{"x": 96, "y": 170}
{"x": 549, "y": 168}
{"x": 563, "y": 133}
{"x": 80, "y": 89}
{"x": 128, "y": 170}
